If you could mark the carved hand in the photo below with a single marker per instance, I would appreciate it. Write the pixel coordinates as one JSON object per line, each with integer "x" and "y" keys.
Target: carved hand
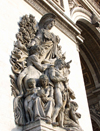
{"x": 78, "y": 115}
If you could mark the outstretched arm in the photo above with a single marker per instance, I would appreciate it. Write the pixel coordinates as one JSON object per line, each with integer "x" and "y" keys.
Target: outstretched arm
{"x": 34, "y": 60}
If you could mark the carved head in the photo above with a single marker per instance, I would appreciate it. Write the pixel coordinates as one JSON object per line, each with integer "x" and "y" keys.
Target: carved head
{"x": 31, "y": 83}
{"x": 49, "y": 24}
{"x": 44, "y": 81}
{"x": 73, "y": 105}
{"x": 60, "y": 63}
{"x": 47, "y": 21}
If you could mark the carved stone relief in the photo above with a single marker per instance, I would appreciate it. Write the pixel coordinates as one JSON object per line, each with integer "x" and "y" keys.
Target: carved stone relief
{"x": 40, "y": 83}
{"x": 95, "y": 4}
{"x": 59, "y": 2}
{"x": 95, "y": 108}
{"x": 94, "y": 20}
{"x": 73, "y": 4}
{"x": 95, "y": 116}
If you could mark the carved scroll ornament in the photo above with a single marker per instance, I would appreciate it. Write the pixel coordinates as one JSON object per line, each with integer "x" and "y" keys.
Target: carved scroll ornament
{"x": 40, "y": 76}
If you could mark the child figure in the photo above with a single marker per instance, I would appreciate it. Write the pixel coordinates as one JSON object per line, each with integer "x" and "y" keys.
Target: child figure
{"x": 46, "y": 94}
{"x": 30, "y": 96}
{"x": 71, "y": 116}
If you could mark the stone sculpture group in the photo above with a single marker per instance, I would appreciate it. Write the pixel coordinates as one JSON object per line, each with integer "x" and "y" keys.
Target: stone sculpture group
{"x": 40, "y": 76}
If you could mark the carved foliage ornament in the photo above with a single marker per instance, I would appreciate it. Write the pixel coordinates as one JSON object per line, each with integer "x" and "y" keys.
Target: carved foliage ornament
{"x": 40, "y": 76}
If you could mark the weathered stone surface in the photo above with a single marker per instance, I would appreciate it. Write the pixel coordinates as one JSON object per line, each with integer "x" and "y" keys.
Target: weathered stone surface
{"x": 41, "y": 126}
{"x": 40, "y": 81}
{"x": 11, "y": 12}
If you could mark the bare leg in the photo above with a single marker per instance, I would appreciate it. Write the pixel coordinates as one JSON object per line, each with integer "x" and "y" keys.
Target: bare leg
{"x": 27, "y": 117}
{"x": 61, "y": 118}
{"x": 58, "y": 101}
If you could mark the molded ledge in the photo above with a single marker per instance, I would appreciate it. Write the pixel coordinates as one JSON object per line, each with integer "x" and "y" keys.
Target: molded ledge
{"x": 43, "y": 126}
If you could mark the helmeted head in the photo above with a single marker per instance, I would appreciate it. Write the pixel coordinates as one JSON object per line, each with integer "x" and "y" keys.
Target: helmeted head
{"x": 47, "y": 21}
{"x": 49, "y": 24}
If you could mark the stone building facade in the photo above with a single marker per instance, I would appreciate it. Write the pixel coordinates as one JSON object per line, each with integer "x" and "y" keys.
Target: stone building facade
{"x": 78, "y": 26}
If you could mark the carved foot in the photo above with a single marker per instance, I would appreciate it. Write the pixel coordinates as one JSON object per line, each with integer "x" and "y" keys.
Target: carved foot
{"x": 55, "y": 124}
{"x": 48, "y": 120}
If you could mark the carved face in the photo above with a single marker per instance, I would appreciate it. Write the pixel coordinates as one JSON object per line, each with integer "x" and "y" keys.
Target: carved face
{"x": 60, "y": 66}
{"x": 31, "y": 84}
{"x": 75, "y": 108}
{"x": 59, "y": 63}
{"x": 50, "y": 25}
{"x": 44, "y": 82}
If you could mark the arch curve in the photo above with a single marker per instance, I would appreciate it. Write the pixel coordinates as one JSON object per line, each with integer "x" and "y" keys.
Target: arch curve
{"x": 91, "y": 46}
{"x": 96, "y": 120}
{"x": 80, "y": 13}
{"x": 91, "y": 28}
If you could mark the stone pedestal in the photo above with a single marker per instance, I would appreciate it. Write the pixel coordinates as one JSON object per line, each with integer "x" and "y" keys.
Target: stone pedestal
{"x": 41, "y": 126}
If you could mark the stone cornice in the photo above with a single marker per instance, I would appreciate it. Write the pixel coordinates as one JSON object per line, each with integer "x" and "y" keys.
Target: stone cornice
{"x": 90, "y": 6}
{"x": 95, "y": 5}
{"x": 63, "y": 23}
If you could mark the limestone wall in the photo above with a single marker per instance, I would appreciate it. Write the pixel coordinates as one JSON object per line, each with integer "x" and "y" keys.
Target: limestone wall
{"x": 10, "y": 13}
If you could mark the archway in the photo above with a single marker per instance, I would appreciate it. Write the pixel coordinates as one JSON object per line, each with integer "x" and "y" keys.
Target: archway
{"x": 90, "y": 60}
